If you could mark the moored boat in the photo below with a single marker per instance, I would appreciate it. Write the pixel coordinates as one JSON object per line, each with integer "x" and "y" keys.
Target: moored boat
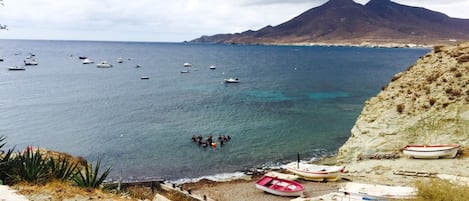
{"x": 212, "y": 67}
{"x": 187, "y": 65}
{"x": 16, "y": 68}
{"x": 315, "y": 172}
{"x": 87, "y": 61}
{"x": 279, "y": 186}
{"x": 431, "y": 151}
{"x": 104, "y": 64}
{"x": 185, "y": 71}
{"x": 120, "y": 60}
{"x": 145, "y": 78}
{"x": 232, "y": 80}
{"x": 30, "y": 62}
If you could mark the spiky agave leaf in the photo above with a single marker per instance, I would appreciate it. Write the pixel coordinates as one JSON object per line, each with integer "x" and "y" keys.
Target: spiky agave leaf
{"x": 87, "y": 177}
{"x": 5, "y": 161}
{"x": 61, "y": 168}
{"x": 31, "y": 167}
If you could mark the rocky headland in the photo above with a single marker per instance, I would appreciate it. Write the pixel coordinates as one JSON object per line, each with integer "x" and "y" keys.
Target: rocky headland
{"x": 426, "y": 104}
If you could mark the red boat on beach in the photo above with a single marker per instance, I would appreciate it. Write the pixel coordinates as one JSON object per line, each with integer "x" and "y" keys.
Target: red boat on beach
{"x": 279, "y": 186}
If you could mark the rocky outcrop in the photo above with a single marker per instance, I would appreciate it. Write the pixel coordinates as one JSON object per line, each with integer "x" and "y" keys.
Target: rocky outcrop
{"x": 426, "y": 104}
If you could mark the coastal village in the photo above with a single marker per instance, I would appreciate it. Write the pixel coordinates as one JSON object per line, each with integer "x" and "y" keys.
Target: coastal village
{"x": 410, "y": 142}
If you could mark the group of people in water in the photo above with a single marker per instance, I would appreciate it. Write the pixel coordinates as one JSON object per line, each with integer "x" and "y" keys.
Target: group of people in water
{"x": 222, "y": 139}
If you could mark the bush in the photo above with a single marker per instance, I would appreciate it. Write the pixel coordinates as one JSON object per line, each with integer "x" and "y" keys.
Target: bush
{"x": 5, "y": 161}
{"x": 436, "y": 189}
{"x": 90, "y": 179}
{"x": 31, "y": 167}
{"x": 400, "y": 108}
{"x": 61, "y": 168}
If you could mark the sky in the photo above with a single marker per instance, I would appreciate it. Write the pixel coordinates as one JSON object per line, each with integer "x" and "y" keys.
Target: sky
{"x": 162, "y": 20}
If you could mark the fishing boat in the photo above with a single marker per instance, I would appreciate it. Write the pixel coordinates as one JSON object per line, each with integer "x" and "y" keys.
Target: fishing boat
{"x": 120, "y": 60}
{"x": 362, "y": 191}
{"x": 212, "y": 67}
{"x": 281, "y": 187}
{"x": 431, "y": 151}
{"x": 279, "y": 175}
{"x": 232, "y": 80}
{"x": 315, "y": 172}
{"x": 82, "y": 57}
{"x": 185, "y": 71}
{"x": 187, "y": 65}
{"x": 144, "y": 78}
{"x": 104, "y": 64}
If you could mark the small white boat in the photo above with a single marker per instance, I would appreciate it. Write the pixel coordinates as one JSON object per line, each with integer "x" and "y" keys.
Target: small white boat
{"x": 185, "y": 71}
{"x": 104, "y": 64}
{"x": 144, "y": 78}
{"x": 212, "y": 67}
{"x": 87, "y": 61}
{"x": 232, "y": 80}
{"x": 279, "y": 186}
{"x": 279, "y": 175}
{"x": 431, "y": 151}
{"x": 120, "y": 60}
{"x": 16, "y": 68}
{"x": 138, "y": 66}
{"x": 30, "y": 62}
{"x": 361, "y": 191}
{"x": 315, "y": 172}
{"x": 187, "y": 65}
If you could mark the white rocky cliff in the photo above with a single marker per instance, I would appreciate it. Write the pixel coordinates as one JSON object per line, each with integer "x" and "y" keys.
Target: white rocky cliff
{"x": 426, "y": 104}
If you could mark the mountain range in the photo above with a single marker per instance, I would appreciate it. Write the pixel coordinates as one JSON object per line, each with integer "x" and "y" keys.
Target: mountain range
{"x": 348, "y": 22}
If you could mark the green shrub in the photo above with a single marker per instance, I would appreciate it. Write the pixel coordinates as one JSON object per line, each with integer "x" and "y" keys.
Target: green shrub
{"x": 88, "y": 178}
{"x": 5, "y": 161}
{"x": 30, "y": 166}
{"x": 61, "y": 168}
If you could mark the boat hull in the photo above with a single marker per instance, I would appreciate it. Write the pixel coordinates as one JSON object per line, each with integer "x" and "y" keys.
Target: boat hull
{"x": 431, "y": 151}
{"x": 315, "y": 172}
{"x": 279, "y": 186}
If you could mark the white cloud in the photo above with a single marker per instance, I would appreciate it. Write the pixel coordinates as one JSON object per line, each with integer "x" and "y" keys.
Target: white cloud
{"x": 158, "y": 20}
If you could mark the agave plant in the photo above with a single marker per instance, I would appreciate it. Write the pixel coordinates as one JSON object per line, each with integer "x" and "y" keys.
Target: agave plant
{"x": 5, "y": 160}
{"x": 61, "y": 168}
{"x": 30, "y": 166}
{"x": 88, "y": 178}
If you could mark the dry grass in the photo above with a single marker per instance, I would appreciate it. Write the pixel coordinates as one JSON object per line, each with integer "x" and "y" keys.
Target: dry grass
{"x": 436, "y": 189}
{"x": 140, "y": 192}
{"x": 57, "y": 190}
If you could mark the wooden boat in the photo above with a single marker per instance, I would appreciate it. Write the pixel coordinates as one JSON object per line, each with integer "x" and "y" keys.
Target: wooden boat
{"x": 279, "y": 186}
{"x": 315, "y": 172}
{"x": 431, "y": 151}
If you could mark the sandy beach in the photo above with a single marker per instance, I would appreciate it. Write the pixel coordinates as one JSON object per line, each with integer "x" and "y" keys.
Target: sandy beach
{"x": 381, "y": 172}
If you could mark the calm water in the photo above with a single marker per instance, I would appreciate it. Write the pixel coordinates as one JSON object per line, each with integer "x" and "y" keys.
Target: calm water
{"x": 290, "y": 99}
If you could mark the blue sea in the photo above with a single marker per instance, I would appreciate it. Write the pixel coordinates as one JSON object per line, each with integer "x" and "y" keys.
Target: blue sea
{"x": 291, "y": 99}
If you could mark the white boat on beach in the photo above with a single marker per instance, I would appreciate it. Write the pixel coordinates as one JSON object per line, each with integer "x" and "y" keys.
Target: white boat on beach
{"x": 290, "y": 177}
{"x": 87, "y": 61}
{"x": 361, "y": 191}
{"x": 232, "y": 80}
{"x": 315, "y": 172}
{"x": 279, "y": 186}
{"x": 431, "y": 151}
{"x": 104, "y": 64}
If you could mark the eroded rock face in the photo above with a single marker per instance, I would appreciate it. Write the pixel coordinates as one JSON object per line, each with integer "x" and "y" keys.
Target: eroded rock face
{"x": 426, "y": 104}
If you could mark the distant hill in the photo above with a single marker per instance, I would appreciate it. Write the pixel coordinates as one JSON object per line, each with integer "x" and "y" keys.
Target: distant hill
{"x": 347, "y": 22}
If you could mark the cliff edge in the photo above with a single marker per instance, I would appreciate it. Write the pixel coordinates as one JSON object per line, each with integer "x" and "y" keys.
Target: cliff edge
{"x": 426, "y": 104}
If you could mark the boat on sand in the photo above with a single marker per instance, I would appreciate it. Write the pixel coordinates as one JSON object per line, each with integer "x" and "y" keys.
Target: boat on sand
{"x": 431, "y": 151}
{"x": 281, "y": 187}
{"x": 315, "y": 172}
